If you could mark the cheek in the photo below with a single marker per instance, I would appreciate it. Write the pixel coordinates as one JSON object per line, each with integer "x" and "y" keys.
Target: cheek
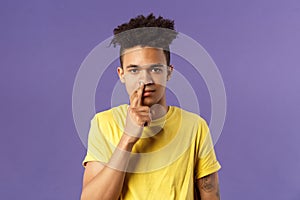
{"x": 160, "y": 80}
{"x": 131, "y": 84}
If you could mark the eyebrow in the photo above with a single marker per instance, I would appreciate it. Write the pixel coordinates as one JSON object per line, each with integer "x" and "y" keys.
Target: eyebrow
{"x": 157, "y": 65}
{"x": 151, "y": 65}
{"x": 132, "y": 66}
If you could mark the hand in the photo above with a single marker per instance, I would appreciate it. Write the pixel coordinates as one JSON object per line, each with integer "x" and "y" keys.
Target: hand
{"x": 137, "y": 114}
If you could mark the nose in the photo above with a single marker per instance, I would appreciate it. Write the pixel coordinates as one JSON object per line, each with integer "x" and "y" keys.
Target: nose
{"x": 146, "y": 77}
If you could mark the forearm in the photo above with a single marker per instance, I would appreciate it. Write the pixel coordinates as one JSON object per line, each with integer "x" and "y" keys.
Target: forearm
{"x": 108, "y": 183}
{"x": 209, "y": 187}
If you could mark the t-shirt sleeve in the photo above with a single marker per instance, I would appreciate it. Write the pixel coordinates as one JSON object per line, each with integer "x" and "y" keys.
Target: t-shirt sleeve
{"x": 99, "y": 147}
{"x": 207, "y": 162}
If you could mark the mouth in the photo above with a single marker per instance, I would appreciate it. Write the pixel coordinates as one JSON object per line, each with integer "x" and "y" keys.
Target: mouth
{"x": 148, "y": 93}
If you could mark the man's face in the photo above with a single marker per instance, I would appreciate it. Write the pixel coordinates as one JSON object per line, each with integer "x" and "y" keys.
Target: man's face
{"x": 147, "y": 65}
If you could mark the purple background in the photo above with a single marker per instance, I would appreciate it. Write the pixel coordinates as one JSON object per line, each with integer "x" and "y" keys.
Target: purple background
{"x": 255, "y": 44}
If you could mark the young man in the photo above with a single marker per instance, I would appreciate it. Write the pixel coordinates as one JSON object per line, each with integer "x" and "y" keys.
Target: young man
{"x": 147, "y": 149}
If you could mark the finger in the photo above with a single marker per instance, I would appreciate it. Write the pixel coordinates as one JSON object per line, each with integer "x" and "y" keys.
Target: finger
{"x": 146, "y": 116}
{"x": 140, "y": 115}
{"x": 134, "y": 99}
{"x": 147, "y": 121}
{"x": 143, "y": 109}
{"x": 137, "y": 113}
{"x": 136, "y": 96}
{"x": 144, "y": 120}
{"x": 140, "y": 92}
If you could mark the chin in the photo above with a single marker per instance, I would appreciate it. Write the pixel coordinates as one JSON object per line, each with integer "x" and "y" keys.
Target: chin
{"x": 149, "y": 102}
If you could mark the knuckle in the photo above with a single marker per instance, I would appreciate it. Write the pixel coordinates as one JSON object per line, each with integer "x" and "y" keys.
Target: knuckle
{"x": 146, "y": 108}
{"x": 147, "y": 119}
{"x": 133, "y": 110}
{"x": 130, "y": 110}
{"x": 140, "y": 121}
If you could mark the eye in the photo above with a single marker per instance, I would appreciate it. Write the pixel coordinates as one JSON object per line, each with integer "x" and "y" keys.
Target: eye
{"x": 156, "y": 69}
{"x": 133, "y": 71}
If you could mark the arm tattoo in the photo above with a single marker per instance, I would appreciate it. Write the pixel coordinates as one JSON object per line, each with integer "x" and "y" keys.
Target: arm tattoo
{"x": 207, "y": 183}
{"x": 210, "y": 184}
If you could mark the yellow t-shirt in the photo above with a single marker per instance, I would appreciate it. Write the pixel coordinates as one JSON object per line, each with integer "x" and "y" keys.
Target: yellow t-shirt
{"x": 173, "y": 151}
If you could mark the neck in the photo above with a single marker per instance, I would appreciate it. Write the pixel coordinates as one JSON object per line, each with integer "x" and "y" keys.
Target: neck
{"x": 158, "y": 111}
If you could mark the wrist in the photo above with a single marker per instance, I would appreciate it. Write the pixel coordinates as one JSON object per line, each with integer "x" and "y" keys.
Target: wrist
{"x": 127, "y": 142}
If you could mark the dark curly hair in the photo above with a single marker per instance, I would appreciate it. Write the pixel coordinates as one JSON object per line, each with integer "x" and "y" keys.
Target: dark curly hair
{"x": 145, "y": 31}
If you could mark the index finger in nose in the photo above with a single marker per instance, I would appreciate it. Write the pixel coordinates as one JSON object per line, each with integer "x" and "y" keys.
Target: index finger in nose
{"x": 134, "y": 99}
{"x": 140, "y": 92}
{"x": 136, "y": 96}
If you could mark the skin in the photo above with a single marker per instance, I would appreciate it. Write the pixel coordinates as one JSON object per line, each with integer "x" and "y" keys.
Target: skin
{"x": 154, "y": 80}
{"x": 208, "y": 187}
{"x": 145, "y": 85}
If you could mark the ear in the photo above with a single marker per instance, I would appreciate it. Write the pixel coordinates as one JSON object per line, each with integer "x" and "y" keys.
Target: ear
{"x": 121, "y": 74}
{"x": 170, "y": 70}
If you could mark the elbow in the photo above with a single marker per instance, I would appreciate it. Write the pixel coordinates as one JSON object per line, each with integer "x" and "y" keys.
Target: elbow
{"x": 88, "y": 196}
{"x": 83, "y": 195}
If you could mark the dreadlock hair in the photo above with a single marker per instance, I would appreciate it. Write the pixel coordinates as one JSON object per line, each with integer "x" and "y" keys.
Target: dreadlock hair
{"x": 137, "y": 32}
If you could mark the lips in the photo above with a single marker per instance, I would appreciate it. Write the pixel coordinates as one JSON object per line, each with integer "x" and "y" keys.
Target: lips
{"x": 148, "y": 93}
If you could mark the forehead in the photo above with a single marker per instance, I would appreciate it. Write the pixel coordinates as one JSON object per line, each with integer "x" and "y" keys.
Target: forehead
{"x": 143, "y": 56}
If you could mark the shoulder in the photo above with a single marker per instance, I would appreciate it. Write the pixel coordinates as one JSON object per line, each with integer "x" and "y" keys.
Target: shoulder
{"x": 189, "y": 117}
{"x": 109, "y": 121}
{"x": 111, "y": 114}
